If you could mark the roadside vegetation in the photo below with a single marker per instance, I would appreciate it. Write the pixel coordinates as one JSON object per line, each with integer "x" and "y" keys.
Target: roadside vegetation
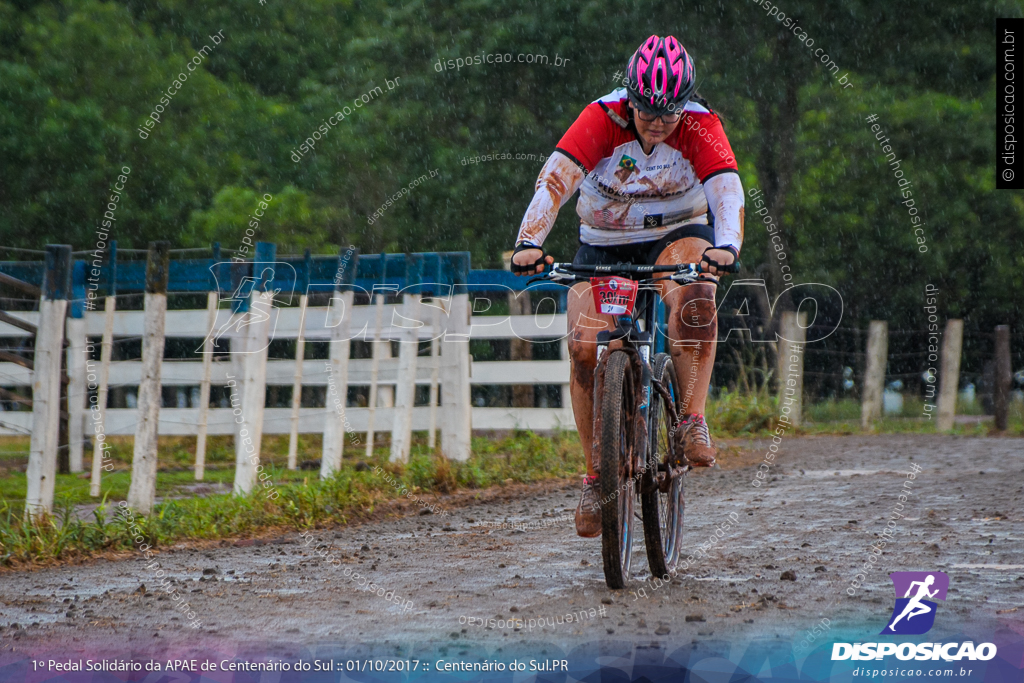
{"x": 82, "y": 526}
{"x": 305, "y": 500}
{"x": 736, "y": 414}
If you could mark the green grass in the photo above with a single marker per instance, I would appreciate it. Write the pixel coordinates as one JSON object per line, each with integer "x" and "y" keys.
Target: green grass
{"x": 737, "y": 414}
{"x": 305, "y": 501}
{"x": 70, "y": 488}
{"x": 175, "y": 467}
{"x": 742, "y": 415}
{"x": 833, "y": 411}
{"x": 178, "y": 451}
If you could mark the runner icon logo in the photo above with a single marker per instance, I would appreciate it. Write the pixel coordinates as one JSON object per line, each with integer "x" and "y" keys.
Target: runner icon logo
{"x": 914, "y": 612}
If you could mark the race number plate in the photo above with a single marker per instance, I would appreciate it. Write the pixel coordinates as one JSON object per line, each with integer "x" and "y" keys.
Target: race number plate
{"x": 614, "y": 295}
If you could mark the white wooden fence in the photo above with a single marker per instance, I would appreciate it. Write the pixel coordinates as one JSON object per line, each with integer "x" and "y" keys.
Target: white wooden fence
{"x": 251, "y": 322}
{"x": 285, "y": 325}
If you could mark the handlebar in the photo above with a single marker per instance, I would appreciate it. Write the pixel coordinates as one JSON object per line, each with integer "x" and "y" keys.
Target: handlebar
{"x": 632, "y": 268}
{"x": 680, "y": 272}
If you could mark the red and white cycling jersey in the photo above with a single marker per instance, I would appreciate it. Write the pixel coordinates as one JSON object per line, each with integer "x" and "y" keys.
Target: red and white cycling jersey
{"x": 627, "y": 196}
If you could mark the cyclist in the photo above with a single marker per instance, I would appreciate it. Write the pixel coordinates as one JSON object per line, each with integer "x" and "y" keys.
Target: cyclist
{"x": 658, "y": 185}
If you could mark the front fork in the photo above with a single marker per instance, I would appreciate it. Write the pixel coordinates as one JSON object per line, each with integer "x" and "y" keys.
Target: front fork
{"x": 645, "y": 474}
{"x": 642, "y": 340}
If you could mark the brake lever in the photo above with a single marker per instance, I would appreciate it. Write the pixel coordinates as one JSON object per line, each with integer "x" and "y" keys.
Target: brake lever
{"x": 693, "y": 272}
{"x": 687, "y": 275}
{"x": 556, "y": 275}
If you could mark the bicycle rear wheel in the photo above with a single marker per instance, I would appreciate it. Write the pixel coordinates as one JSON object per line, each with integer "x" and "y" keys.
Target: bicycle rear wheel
{"x": 615, "y": 448}
{"x": 662, "y": 511}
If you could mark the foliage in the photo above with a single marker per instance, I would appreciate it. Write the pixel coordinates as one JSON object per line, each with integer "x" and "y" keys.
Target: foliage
{"x": 356, "y": 490}
{"x": 305, "y": 501}
{"x": 735, "y": 413}
{"x": 79, "y": 77}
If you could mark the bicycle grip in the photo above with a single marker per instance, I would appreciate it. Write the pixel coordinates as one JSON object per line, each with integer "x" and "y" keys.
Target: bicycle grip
{"x": 733, "y": 267}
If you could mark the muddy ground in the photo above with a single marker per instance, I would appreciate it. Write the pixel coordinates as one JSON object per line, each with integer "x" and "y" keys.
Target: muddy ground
{"x": 812, "y": 522}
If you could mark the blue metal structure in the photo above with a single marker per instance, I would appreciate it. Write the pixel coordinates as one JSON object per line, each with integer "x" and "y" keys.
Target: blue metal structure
{"x": 431, "y": 273}
{"x": 204, "y": 275}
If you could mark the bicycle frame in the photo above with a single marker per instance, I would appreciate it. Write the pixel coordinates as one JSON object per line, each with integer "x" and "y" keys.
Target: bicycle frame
{"x": 636, "y": 331}
{"x": 635, "y": 463}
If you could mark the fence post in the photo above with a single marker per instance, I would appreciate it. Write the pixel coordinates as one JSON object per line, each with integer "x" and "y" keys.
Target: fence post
{"x": 385, "y": 392}
{"x": 949, "y": 380}
{"x": 99, "y": 439}
{"x": 405, "y": 389}
{"x": 42, "y": 460}
{"x": 77, "y": 374}
{"x": 375, "y": 351}
{"x": 254, "y": 368}
{"x": 793, "y": 336}
{"x": 339, "y": 316}
{"x": 212, "y": 303}
{"x": 457, "y": 417}
{"x": 519, "y": 303}
{"x": 874, "y": 375}
{"x": 300, "y": 356}
{"x": 236, "y": 332}
{"x": 408, "y": 352}
{"x": 142, "y": 492}
{"x": 1001, "y": 397}
{"x": 435, "y": 364}
{"x": 520, "y": 349}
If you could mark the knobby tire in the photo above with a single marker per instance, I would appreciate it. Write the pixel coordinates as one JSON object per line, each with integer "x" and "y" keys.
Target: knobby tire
{"x": 615, "y": 446}
{"x": 662, "y": 512}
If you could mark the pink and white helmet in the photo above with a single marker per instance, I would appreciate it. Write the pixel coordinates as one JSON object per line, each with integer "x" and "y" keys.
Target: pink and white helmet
{"x": 660, "y": 77}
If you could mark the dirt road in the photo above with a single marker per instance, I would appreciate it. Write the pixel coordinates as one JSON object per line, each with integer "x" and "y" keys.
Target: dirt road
{"x": 782, "y": 567}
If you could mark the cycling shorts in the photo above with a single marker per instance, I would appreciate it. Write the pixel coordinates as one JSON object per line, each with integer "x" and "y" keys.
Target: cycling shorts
{"x": 640, "y": 253}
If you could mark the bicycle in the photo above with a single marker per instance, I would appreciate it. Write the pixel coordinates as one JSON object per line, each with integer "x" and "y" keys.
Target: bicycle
{"x": 634, "y": 444}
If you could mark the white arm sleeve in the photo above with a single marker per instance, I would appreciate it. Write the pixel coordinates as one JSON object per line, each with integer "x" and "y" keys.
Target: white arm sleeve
{"x": 725, "y": 199}
{"x": 559, "y": 178}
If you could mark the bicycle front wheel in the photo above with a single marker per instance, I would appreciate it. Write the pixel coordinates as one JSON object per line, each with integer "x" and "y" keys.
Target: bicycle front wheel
{"x": 617, "y": 405}
{"x": 662, "y": 510}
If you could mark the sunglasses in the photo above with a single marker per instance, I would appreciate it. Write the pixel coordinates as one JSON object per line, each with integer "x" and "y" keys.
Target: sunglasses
{"x": 665, "y": 118}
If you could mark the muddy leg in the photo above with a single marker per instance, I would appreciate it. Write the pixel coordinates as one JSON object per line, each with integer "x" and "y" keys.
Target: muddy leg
{"x": 692, "y": 326}
{"x": 584, "y": 324}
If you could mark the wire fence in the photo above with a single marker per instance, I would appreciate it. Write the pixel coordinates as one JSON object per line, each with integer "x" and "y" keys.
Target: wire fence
{"x": 834, "y": 367}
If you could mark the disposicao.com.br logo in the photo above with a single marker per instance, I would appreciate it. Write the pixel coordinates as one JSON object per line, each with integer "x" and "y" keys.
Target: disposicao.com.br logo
{"x": 914, "y": 614}
{"x": 910, "y": 606}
